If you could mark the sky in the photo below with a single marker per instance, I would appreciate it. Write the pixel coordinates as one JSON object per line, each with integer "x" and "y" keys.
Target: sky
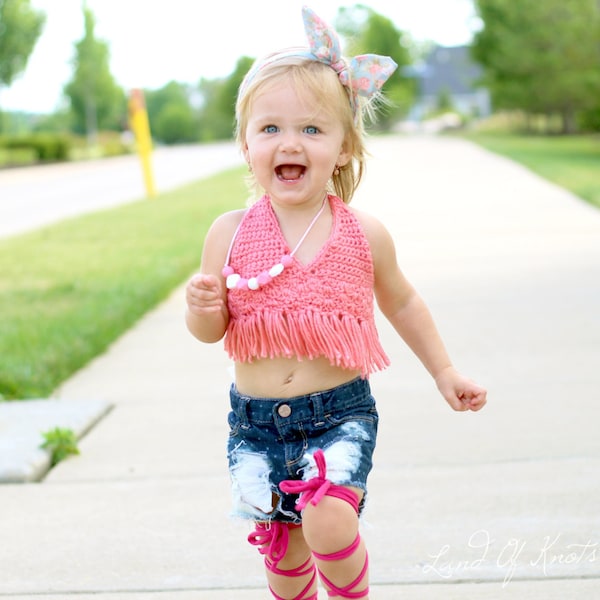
{"x": 152, "y": 43}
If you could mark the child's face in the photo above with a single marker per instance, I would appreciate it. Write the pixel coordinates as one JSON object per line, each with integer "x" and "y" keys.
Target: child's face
{"x": 292, "y": 149}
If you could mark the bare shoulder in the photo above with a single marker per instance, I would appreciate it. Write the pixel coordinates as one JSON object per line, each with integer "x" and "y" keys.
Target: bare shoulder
{"x": 223, "y": 228}
{"x": 218, "y": 238}
{"x": 367, "y": 220}
{"x": 227, "y": 221}
{"x": 378, "y": 236}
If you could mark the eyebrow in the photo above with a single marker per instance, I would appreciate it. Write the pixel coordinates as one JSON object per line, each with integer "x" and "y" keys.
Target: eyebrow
{"x": 309, "y": 120}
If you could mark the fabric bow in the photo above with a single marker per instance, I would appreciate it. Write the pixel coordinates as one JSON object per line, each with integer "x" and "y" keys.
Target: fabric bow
{"x": 312, "y": 490}
{"x": 272, "y": 539}
{"x": 364, "y": 74}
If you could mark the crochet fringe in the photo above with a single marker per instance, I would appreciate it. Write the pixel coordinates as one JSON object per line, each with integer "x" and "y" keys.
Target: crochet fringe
{"x": 347, "y": 342}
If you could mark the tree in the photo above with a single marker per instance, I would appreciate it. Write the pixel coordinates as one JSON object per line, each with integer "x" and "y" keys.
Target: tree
{"x": 370, "y": 32}
{"x": 541, "y": 57}
{"x": 218, "y": 111}
{"x": 172, "y": 118}
{"x": 97, "y": 102}
{"x": 20, "y": 28}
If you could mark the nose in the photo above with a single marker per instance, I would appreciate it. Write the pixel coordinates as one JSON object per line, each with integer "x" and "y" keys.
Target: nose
{"x": 290, "y": 142}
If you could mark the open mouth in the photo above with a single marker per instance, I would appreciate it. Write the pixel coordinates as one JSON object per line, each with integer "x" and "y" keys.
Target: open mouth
{"x": 290, "y": 172}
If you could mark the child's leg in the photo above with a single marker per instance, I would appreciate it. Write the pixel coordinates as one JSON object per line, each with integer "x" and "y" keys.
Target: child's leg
{"x": 331, "y": 531}
{"x": 330, "y": 527}
{"x": 289, "y": 564}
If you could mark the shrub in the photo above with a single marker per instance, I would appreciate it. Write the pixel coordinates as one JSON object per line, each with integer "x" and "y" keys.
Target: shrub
{"x": 45, "y": 146}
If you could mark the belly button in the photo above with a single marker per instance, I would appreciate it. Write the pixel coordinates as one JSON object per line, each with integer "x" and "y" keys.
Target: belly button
{"x": 289, "y": 380}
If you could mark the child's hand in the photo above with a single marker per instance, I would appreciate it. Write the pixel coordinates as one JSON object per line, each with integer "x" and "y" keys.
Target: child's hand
{"x": 460, "y": 393}
{"x": 204, "y": 294}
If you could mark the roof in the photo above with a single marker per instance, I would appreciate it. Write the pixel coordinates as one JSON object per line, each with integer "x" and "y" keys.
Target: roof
{"x": 449, "y": 69}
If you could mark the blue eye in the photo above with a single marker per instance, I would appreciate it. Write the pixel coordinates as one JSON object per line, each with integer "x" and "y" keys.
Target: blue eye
{"x": 311, "y": 129}
{"x": 271, "y": 129}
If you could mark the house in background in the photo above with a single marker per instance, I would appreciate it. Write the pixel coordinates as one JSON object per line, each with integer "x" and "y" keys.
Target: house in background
{"x": 449, "y": 78}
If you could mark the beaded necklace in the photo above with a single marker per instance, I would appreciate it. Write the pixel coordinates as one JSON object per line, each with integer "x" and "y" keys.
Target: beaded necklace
{"x": 234, "y": 280}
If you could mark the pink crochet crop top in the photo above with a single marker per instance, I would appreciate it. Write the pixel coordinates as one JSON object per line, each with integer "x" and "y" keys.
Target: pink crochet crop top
{"x": 324, "y": 308}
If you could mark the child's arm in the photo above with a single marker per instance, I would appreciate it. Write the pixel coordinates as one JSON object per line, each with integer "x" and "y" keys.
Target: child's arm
{"x": 410, "y": 317}
{"x": 207, "y": 316}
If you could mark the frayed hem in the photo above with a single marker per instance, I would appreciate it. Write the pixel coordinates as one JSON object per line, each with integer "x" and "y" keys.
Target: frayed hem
{"x": 239, "y": 517}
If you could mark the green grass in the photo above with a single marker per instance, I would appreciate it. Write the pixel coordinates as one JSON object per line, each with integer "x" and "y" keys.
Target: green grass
{"x": 69, "y": 290}
{"x": 573, "y": 162}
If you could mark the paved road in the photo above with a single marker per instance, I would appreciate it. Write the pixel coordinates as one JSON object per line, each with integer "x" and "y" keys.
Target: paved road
{"x": 494, "y": 505}
{"x": 35, "y": 196}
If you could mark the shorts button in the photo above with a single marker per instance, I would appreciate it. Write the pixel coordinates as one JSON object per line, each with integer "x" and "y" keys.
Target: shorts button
{"x": 284, "y": 410}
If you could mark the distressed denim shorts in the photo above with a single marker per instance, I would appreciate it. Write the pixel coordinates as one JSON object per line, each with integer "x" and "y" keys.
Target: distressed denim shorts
{"x": 273, "y": 439}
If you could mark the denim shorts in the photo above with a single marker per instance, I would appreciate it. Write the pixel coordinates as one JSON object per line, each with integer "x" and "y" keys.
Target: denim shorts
{"x": 274, "y": 439}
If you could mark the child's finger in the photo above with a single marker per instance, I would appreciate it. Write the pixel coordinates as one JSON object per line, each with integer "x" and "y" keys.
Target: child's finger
{"x": 205, "y": 282}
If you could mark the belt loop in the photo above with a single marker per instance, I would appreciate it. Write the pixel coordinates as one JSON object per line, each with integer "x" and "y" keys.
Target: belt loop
{"x": 239, "y": 405}
{"x": 318, "y": 414}
{"x": 244, "y": 422}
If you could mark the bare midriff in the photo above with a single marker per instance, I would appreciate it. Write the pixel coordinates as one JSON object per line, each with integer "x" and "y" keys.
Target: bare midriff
{"x": 289, "y": 377}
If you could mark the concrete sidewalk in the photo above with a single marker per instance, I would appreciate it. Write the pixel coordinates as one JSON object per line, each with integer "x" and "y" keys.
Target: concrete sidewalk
{"x": 499, "y": 504}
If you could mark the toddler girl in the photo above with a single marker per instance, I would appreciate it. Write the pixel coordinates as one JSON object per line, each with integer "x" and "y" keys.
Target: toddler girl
{"x": 290, "y": 284}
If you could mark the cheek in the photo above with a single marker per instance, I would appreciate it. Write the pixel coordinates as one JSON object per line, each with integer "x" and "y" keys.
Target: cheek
{"x": 259, "y": 156}
{"x": 252, "y": 148}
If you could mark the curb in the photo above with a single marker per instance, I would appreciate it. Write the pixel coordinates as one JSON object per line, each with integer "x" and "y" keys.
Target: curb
{"x": 22, "y": 424}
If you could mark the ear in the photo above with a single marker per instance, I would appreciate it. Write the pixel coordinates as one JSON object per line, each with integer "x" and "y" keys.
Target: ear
{"x": 246, "y": 153}
{"x": 345, "y": 154}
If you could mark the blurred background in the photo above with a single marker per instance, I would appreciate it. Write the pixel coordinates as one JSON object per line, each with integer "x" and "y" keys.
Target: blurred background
{"x": 67, "y": 69}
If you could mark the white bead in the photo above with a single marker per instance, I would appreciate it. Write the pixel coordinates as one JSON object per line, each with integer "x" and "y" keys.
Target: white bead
{"x": 276, "y": 270}
{"x": 232, "y": 280}
{"x": 253, "y": 283}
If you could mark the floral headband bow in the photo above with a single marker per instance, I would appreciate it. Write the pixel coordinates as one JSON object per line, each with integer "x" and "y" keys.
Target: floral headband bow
{"x": 364, "y": 74}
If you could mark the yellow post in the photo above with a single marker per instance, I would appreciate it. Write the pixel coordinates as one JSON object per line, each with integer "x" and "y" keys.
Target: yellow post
{"x": 138, "y": 121}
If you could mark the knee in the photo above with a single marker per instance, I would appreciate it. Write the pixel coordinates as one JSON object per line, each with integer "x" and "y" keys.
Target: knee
{"x": 329, "y": 511}
{"x": 330, "y": 525}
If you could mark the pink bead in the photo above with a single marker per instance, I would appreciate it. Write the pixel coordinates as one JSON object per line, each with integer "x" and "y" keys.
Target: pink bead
{"x": 286, "y": 260}
{"x": 242, "y": 284}
{"x": 227, "y": 271}
{"x": 264, "y": 278}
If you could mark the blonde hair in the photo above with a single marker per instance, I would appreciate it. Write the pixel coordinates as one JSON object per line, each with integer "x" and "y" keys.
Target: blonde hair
{"x": 318, "y": 82}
